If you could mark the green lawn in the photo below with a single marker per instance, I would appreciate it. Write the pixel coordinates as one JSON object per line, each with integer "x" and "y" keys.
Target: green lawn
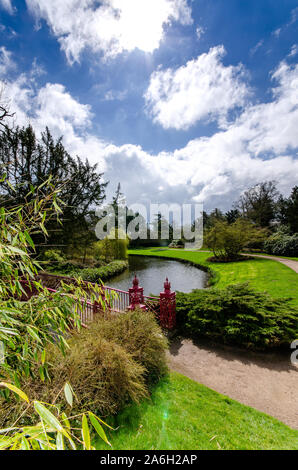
{"x": 275, "y": 256}
{"x": 184, "y": 415}
{"x": 263, "y": 274}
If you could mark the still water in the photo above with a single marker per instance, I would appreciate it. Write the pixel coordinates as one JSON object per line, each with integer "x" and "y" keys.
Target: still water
{"x": 152, "y": 273}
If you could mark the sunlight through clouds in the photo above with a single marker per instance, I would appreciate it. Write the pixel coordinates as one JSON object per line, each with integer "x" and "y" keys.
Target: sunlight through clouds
{"x": 206, "y": 169}
{"x": 110, "y": 28}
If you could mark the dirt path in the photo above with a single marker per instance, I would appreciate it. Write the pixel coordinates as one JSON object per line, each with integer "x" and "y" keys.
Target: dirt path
{"x": 288, "y": 262}
{"x": 267, "y": 382}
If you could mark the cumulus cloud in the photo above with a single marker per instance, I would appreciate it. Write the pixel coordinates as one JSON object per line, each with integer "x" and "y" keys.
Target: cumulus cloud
{"x": 7, "y": 5}
{"x": 54, "y": 107}
{"x": 203, "y": 88}
{"x": 259, "y": 145}
{"x": 111, "y": 26}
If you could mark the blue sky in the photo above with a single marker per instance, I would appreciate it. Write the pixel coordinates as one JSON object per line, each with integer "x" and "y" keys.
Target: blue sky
{"x": 179, "y": 100}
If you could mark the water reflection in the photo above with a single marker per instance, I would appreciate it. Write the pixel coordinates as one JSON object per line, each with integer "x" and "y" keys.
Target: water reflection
{"x": 152, "y": 273}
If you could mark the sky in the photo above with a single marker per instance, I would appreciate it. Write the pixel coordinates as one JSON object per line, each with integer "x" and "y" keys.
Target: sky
{"x": 181, "y": 101}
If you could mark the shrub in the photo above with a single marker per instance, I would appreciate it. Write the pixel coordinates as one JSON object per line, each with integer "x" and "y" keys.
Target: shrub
{"x": 238, "y": 315}
{"x": 228, "y": 240}
{"x": 139, "y": 334}
{"x": 282, "y": 244}
{"x": 102, "y": 374}
{"x": 54, "y": 255}
{"x": 103, "y": 273}
{"x": 112, "y": 247}
{"x": 177, "y": 244}
{"x": 111, "y": 363}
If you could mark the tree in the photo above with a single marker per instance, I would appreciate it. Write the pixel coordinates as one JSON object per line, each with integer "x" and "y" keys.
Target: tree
{"x": 259, "y": 203}
{"x": 29, "y": 163}
{"x": 232, "y": 215}
{"x": 228, "y": 240}
{"x": 288, "y": 210}
{"x": 163, "y": 229}
{"x": 4, "y": 111}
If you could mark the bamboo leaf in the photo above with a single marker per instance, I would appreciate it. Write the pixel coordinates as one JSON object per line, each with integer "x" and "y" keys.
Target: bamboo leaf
{"x": 86, "y": 433}
{"x": 48, "y": 417}
{"x": 68, "y": 394}
{"x": 59, "y": 441}
{"x": 33, "y": 334}
{"x": 43, "y": 357}
{"x": 24, "y": 444}
{"x": 16, "y": 390}
{"x": 98, "y": 428}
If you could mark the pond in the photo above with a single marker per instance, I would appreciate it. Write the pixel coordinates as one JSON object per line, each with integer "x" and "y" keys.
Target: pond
{"x": 152, "y": 273}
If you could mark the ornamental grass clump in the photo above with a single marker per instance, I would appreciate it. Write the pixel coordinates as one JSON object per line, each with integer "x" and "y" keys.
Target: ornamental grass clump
{"x": 108, "y": 365}
{"x": 103, "y": 375}
{"x": 140, "y": 335}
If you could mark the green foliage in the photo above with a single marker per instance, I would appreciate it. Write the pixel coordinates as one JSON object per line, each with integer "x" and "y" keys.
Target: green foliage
{"x": 282, "y": 244}
{"x": 53, "y": 431}
{"x": 259, "y": 203}
{"x": 288, "y": 210}
{"x": 238, "y": 315}
{"x": 111, "y": 248}
{"x": 81, "y": 185}
{"x": 228, "y": 240}
{"x": 111, "y": 363}
{"x": 139, "y": 334}
{"x": 54, "y": 255}
{"x": 27, "y": 327}
{"x": 101, "y": 274}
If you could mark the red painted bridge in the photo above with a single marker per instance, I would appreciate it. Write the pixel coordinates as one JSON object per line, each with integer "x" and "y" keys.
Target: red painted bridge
{"x": 163, "y": 307}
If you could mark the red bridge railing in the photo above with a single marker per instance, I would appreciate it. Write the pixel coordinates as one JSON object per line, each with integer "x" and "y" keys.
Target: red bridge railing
{"x": 164, "y": 306}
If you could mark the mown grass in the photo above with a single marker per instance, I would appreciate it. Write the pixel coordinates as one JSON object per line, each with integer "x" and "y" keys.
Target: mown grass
{"x": 275, "y": 256}
{"x": 263, "y": 274}
{"x": 184, "y": 415}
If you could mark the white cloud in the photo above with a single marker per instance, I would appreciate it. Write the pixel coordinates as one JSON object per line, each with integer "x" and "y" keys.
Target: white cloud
{"x": 294, "y": 50}
{"x": 200, "y": 31}
{"x": 203, "y": 88}
{"x": 54, "y": 107}
{"x": 111, "y": 27}
{"x": 277, "y": 32}
{"x": 256, "y": 47}
{"x": 111, "y": 95}
{"x": 272, "y": 127}
{"x": 258, "y": 145}
{"x": 6, "y": 62}
{"x": 7, "y": 5}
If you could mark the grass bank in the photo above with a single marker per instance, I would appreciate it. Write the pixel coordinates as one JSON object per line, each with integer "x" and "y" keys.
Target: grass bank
{"x": 273, "y": 256}
{"x": 263, "y": 274}
{"x": 184, "y": 415}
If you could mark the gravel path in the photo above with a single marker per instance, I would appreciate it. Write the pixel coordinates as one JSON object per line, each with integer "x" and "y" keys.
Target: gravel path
{"x": 267, "y": 382}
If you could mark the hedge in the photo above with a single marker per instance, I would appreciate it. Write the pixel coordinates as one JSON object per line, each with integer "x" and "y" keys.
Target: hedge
{"x": 103, "y": 273}
{"x": 238, "y": 315}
